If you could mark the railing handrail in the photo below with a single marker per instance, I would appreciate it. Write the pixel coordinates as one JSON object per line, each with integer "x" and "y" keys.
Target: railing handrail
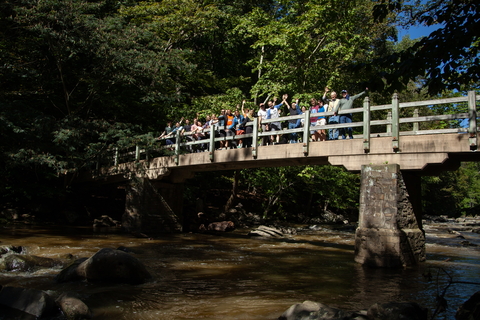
{"x": 394, "y": 121}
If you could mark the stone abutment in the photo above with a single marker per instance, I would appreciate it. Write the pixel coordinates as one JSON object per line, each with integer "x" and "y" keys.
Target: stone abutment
{"x": 389, "y": 233}
{"x": 153, "y": 206}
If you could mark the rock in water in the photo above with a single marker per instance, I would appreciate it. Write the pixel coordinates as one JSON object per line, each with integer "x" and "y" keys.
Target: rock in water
{"x": 107, "y": 265}
{"x": 470, "y": 310}
{"x": 31, "y": 301}
{"x": 397, "y": 311}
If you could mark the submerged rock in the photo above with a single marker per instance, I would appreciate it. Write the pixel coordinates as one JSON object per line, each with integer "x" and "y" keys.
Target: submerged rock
{"x": 25, "y": 263}
{"x": 221, "y": 226}
{"x": 470, "y": 310}
{"x": 9, "y": 249}
{"x": 397, "y": 311}
{"x": 271, "y": 232}
{"x": 310, "y": 310}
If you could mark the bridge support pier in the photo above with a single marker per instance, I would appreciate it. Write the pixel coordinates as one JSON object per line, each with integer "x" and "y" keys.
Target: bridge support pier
{"x": 389, "y": 233}
{"x": 153, "y": 206}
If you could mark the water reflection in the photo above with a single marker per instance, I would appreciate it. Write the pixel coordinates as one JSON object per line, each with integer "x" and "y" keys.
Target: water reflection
{"x": 231, "y": 276}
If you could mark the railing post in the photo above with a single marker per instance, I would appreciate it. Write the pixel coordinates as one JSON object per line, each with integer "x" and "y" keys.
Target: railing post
{"x": 389, "y": 118}
{"x": 255, "y": 137}
{"x": 137, "y": 152}
{"x": 395, "y": 123}
{"x": 415, "y": 124}
{"x": 366, "y": 124}
{"x": 115, "y": 157}
{"x": 306, "y": 132}
{"x": 177, "y": 146}
{"x": 472, "y": 120}
{"x": 212, "y": 143}
{"x": 97, "y": 165}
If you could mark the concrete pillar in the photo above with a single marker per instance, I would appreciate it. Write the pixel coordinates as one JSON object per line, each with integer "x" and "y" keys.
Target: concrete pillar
{"x": 153, "y": 206}
{"x": 388, "y": 234}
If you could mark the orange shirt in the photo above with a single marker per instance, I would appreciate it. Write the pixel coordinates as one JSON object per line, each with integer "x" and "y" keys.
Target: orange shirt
{"x": 229, "y": 120}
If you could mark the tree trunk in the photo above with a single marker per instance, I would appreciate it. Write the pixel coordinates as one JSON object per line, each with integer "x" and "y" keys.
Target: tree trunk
{"x": 233, "y": 195}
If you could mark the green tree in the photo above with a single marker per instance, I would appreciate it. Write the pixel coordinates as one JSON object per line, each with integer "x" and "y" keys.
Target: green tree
{"x": 448, "y": 58}
{"x": 202, "y": 30}
{"x": 76, "y": 79}
{"x": 302, "y": 46}
{"x": 453, "y": 193}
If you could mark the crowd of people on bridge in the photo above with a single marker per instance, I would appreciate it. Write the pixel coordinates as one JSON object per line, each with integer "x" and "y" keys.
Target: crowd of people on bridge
{"x": 240, "y": 122}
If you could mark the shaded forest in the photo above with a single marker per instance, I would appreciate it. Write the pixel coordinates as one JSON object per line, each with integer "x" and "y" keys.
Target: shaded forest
{"x": 80, "y": 77}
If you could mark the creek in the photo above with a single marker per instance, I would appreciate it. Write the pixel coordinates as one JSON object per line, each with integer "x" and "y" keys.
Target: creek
{"x": 231, "y": 276}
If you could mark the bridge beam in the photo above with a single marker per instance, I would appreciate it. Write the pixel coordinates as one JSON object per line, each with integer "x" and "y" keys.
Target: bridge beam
{"x": 153, "y": 206}
{"x": 389, "y": 232}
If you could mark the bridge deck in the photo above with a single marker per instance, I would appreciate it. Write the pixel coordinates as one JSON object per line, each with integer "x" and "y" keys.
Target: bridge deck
{"x": 422, "y": 153}
{"x": 426, "y": 151}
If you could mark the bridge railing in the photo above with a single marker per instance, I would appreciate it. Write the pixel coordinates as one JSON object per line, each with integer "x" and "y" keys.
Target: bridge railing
{"x": 185, "y": 143}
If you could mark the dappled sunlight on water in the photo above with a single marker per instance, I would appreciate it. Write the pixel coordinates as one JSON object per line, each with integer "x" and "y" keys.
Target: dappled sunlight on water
{"x": 231, "y": 276}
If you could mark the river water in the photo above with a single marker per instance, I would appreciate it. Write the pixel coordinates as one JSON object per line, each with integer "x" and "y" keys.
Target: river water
{"x": 231, "y": 276}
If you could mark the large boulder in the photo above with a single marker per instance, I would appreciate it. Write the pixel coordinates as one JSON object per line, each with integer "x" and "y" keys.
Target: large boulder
{"x": 31, "y": 301}
{"x": 397, "y": 311}
{"x": 73, "y": 308}
{"x": 470, "y": 310}
{"x": 107, "y": 265}
{"x": 70, "y": 273}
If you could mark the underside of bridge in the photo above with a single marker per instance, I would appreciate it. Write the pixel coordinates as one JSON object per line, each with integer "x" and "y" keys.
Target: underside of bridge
{"x": 390, "y": 231}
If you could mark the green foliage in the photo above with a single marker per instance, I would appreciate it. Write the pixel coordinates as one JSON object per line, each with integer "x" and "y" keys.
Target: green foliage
{"x": 454, "y": 193}
{"x": 79, "y": 79}
{"x": 297, "y": 52}
{"x": 447, "y": 58}
{"x": 332, "y": 187}
{"x": 290, "y": 190}
{"x": 76, "y": 81}
{"x": 274, "y": 183}
{"x": 232, "y": 99}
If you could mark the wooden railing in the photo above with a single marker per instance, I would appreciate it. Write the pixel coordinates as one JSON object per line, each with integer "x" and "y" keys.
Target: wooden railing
{"x": 391, "y": 124}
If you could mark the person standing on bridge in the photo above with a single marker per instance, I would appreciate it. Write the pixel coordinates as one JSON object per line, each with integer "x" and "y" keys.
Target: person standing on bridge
{"x": 228, "y": 125}
{"x": 313, "y": 120}
{"x": 221, "y": 128}
{"x": 262, "y": 115}
{"x": 237, "y": 127}
{"x": 334, "y": 119}
{"x": 187, "y": 128}
{"x": 321, "y": 121}
{"x": 294, "y": 123}
{"x": 344, "y": 104}
{"x": 166, "y": 131}
{"x": 273, "y": 112}
{"x": 248, "y": 124}
{"x": 173, "y": 133}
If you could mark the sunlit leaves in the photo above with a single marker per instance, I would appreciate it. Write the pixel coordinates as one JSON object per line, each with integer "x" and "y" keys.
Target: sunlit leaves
{"x": 304, "y": 46}
{"x": 448, "y": 57}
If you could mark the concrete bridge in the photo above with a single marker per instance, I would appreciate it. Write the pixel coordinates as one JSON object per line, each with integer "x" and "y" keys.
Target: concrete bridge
{"x": 390, "y": 162}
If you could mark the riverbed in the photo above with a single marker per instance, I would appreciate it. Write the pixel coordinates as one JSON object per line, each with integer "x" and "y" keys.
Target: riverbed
{"x": 231, "y": 276}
